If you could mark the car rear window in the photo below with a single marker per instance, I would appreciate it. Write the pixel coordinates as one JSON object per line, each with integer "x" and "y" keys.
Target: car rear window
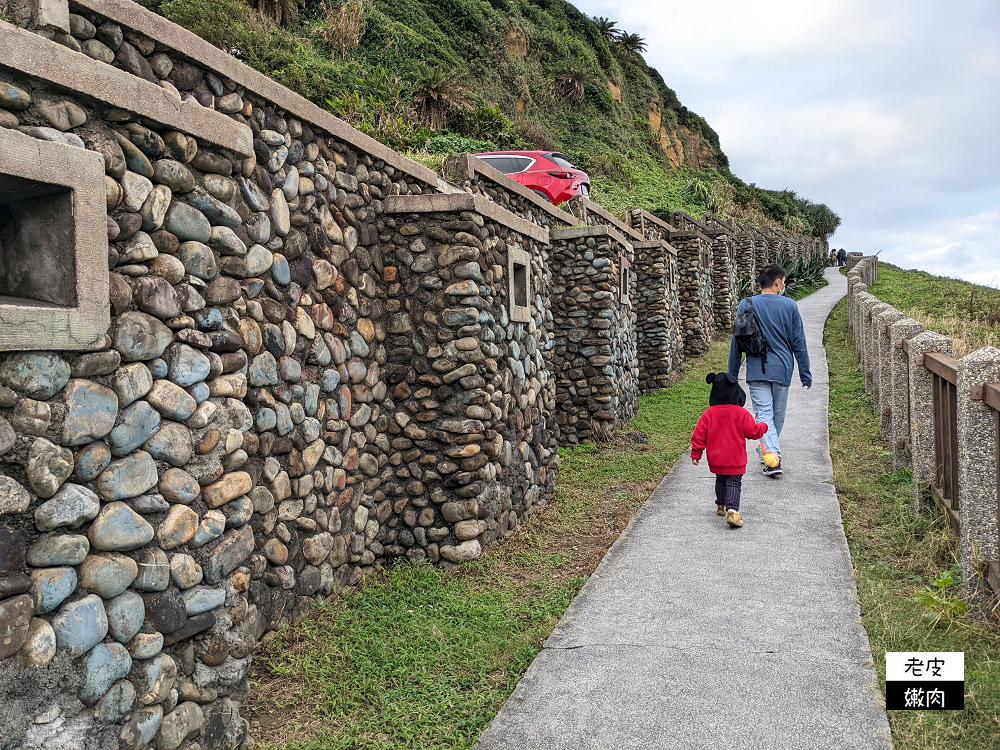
{"x": 561, "y": 160}
{"x": 521, "y": 163}
{"x": 504, "y": 164}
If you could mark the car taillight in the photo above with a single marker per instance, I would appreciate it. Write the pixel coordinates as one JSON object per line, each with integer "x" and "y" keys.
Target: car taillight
{"x": 562, "y": 175}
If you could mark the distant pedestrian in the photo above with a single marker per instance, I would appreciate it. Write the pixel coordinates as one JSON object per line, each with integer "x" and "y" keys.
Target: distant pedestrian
{"x": 724, "y": 428}
{"x": 769, "y": 374}
{"x": 842, "y": 257}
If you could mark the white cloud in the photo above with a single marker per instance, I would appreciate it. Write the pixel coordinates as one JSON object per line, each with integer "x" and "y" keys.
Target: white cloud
{"x": 885, "y": 111}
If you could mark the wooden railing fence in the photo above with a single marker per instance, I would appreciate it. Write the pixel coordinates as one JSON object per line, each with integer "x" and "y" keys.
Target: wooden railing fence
{"x": 991, "y": 397}
{"x": 945, "y": 487}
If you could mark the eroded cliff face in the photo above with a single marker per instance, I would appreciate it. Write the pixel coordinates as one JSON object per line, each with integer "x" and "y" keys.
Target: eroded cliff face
{"x": 681, "y": 144}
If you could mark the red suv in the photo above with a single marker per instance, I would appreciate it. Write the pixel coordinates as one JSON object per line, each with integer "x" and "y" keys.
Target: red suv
{"x": 548, "y": 173}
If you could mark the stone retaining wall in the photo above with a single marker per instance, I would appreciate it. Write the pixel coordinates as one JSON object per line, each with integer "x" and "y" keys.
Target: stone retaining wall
{"x": 723, "y": 280}
{"x": 595, "y": 358}
{"x": 660, "y": 336}
{"x": 659, "y": 343}
{"x": 473, "y": 433}
{"x": 695, "y": 289}
{"x": 305, "y": 357}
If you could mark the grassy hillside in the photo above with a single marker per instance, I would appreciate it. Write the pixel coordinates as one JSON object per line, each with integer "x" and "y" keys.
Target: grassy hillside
{"x": 969, "y": 314}
{"x": 437, "y": 76}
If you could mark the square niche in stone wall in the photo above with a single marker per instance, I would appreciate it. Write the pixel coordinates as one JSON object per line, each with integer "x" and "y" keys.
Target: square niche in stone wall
{"x": 623, "y": 282}
{"x": 519, "y": 284}
{"x": 53, "y": 245}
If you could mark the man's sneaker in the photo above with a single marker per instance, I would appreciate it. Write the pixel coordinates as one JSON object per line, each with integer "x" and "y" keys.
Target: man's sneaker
{"x": 733, "y": 519}
{"x": 720, "y": 510}
{"x": 773, "y": 471}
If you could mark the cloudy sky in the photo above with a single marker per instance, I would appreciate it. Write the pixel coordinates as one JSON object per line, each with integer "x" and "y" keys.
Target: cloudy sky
{"x": 887, "y": 111}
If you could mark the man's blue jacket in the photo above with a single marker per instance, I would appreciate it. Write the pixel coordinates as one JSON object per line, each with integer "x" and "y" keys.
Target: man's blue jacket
{"x": 781, "y": 325}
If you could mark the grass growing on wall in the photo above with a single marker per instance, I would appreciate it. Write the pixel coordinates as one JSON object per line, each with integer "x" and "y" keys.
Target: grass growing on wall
{"x": 969, "y": 314}
{"x": 896, "y": 554}
{"x": 424, "y": 658}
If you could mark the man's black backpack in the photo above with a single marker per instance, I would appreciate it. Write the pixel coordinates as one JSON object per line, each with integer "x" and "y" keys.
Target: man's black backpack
{"x": 749, "y": 336}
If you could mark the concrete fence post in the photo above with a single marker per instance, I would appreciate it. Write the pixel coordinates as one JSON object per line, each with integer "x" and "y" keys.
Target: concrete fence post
{"x": 884, "y": 366}
{"x": 977, "y": 474}
{"x": 855, "y": 313}
{"x": 855, "y": 286}
{"x": 922, "y": 411}
{"x": 870, "y": 329}
{"x": 899, "y": 375}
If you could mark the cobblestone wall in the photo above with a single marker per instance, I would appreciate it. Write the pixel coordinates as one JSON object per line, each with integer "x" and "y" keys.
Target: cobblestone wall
{"x": 723, "y": 280}
{"x": 474, "y": 392}
{"x": 220, "y": 455}
{"x": 659, "y": 335}
{"x": 695, "y": 290}
{"x": 657, "y": 305}
{"x": 321, "y": 357}
{"x": 595, "y": 358}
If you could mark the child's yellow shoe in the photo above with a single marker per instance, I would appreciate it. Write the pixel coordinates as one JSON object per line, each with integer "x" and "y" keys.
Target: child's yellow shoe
{"x": 733, "y": 519}
{"x": 720, "y": 510}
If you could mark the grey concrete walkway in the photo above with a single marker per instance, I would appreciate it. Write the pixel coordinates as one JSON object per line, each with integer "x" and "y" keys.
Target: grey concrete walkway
{"x": 694, "y": 635}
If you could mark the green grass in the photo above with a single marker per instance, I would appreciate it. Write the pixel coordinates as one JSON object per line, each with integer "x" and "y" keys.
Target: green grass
{"x": 968, "y": 313}
{"x": 667, "y": 417}
{"x": 420, "y": 657}
{"x": 895, "y": 554}
{"x": 806, "y": 289}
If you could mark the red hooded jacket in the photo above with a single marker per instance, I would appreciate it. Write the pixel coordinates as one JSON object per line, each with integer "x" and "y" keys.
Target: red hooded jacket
{"x": 724, "y": 429}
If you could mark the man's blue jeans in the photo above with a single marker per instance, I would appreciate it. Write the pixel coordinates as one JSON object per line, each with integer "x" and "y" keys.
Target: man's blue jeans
{"x": 769, "y": 403}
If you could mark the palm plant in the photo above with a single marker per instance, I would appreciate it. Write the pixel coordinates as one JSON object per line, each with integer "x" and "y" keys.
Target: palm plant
{"x": 699, "y": 188}
{"x": 608, "y": 28}
{"x": 437, "y": 91}
{"x": 795, "y": 224}
{"x": 572, "y": 81}
{"x": 631, "y": 43}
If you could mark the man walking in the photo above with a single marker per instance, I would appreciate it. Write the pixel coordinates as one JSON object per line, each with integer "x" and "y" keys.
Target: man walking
{"x": 769, "y": 377}
{"x": 842, "y": 257}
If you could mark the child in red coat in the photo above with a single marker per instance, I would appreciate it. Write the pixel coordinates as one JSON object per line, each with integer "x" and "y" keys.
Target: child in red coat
{"x": 724, "y": 428}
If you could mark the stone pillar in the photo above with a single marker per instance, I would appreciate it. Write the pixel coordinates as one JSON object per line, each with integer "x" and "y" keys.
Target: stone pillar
{"x": 884, "y": 366}
{"x": 723, "y": 281}
{"x": 746, "y": 268}
{"x": 759, "y": 256}
{"x": 869, "y": 316}
{"x": 52, "y": 15}
{"x": 594, "y": 349}
{"x": 855, "y": 286}
{"x": 857, "y": 329}
{"x": 694, "y": 261}
{"x": 900, "y": 377}
{"x": 977, "y": 474}
{"x": 655, "y": 300}
{"x": 922, "y": 411}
